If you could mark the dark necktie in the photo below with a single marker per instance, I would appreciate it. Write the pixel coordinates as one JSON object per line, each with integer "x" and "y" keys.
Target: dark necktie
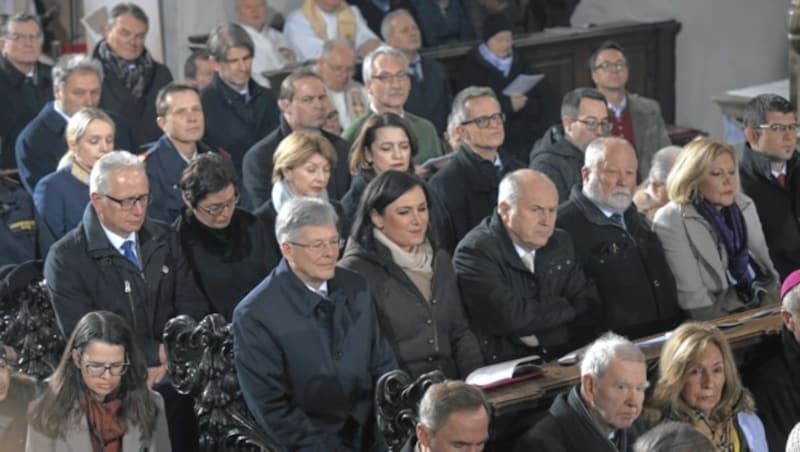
{"x": 416, "y": 70}
{"x": 617, "y": 218}
{"x": 129, "y": 253}
{"x": 781, "y": 179}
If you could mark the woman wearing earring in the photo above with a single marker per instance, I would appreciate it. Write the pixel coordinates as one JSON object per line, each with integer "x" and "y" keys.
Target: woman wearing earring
{"x": 62, "y": 196}
{"x": 97, "y": 399}
{"x": 229, "y": 249}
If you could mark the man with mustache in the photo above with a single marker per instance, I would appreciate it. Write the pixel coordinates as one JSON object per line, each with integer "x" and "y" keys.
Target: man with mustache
{"x": 601, "y": 414}
{"x": 615, "y": 245}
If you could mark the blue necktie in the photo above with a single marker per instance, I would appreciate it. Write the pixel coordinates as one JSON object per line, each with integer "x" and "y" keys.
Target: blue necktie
{"x": 127, "y": 251}
{"x": 617, "y": 218}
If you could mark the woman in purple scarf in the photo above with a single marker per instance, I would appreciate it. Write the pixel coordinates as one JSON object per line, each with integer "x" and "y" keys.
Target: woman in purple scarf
{"x": 712, "y": 236}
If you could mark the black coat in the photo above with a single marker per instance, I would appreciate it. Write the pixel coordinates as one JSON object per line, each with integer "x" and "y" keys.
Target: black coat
{"x": 773, "y": 382}
{"x": 778, "y": 207}
{"x": 307, "y": 364}
{"x": 228, "y": 263}
{"x": 22, "y": 100}
{"x": 374, "y": 16}
{"x": 567, "y": 427}
{"x": 267, "y": 214}
{"x": 505, "y": 301}
{"x": 138, "y": 113}
{"x": 233, "y": 125}
{"x": 258, "y": 165}
{"x": 432, "y": 97}
{"x": 523, "y": 126}
{"x": 84, "y": 273}
{"x": 559, "y": 159}
{"x": 24, "y": 235}
{"x": 468, "y": 189}
{"x": 426, "y": 334}
{"x": 627, "y": 265}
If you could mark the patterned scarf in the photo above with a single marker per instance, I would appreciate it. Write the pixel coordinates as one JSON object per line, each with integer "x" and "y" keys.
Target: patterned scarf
{"x": 344, "y": 16}
{"x": 730, "y": 227}
{"x": 105, "y": 425}
{"x": 133, "y": 74}
{"x": 723, "y": 434}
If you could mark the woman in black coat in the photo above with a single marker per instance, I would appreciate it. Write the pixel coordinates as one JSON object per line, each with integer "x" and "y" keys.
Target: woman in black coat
{"x": 411, "y": 282}
{"x": 495, "y": 64}
{"x": 229, "y": 249}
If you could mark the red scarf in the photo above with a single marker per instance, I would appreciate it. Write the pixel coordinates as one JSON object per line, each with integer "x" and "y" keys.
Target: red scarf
{"x": 105, "y": 427}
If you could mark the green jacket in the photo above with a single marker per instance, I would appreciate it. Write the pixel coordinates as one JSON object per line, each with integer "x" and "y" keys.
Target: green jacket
{"x": 427, "y": 139}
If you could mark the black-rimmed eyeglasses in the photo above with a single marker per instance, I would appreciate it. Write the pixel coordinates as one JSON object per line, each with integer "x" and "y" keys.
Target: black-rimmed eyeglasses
{"x": 128, "y": 203}
{"x": 485, "y": 121}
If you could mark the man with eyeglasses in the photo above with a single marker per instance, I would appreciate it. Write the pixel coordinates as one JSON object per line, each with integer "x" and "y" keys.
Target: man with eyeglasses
{"x": 769, "y": 174}
{"x": 467, "y": 186}
{"x": 25, "y": 84}
{"x": 307, "y": 345}
{"x": 616, "y": 246}
{"x": 559, "y": 153}
{"x": 388, "y": 83}
{"x": 601, "y": 414}
{"x": 132, "y": 77}
{"x": 119, "y": 260}
{"x": 335, "y": 67}
{"x": 634, "y": 117}
{"x": 303, "y": 101}
{"x": 180, "y": 116}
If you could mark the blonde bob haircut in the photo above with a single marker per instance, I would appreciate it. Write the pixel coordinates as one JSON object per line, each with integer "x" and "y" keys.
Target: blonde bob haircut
{"x": 691, "y": 167}
{"x": 684, "y": 346}
{"x": 296, "y": 149}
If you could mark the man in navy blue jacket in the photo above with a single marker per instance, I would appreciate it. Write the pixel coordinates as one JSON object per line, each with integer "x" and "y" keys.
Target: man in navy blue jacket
{"x": 307, "y": 345}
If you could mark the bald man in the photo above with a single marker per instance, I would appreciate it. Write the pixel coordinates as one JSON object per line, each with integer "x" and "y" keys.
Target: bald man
{"x": 521, "y": 284}
{"x": 616, "y": 246}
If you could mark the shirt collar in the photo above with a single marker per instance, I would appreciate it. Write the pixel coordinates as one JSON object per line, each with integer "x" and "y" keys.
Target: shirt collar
{"x": 375, "y": 110}
{"x": 618, "y": 109}
{"x": 522, "y": 251}
{"x": 321, "y": 290}
{"x": 116, "y": 240}
{"x": 58, "y": 110}
{"x": 775, "y": 174}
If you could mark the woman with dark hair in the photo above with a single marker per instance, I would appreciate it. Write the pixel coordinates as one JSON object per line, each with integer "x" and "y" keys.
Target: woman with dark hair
{"x": 98, "y": 399}
{"x": 412, "y": 283}
{"x": 16, "y": 392}
{"x": 386, "y": 143}
{"x": 229, "y": 249}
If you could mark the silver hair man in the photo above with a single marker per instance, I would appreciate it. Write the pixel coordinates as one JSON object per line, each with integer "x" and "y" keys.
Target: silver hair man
{"x": 453, "y": 412}
{"x": 300, "y": 212}
{"x": 610, "y": 184}
{"x": 459, "y": 112}
{"x": 368, "y": 67}
{"x": 113, "y": 161}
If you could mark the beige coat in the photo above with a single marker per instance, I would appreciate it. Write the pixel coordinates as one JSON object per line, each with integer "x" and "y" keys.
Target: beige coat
{"x": 77, "y": 438}
{"x": 697, "y": 257}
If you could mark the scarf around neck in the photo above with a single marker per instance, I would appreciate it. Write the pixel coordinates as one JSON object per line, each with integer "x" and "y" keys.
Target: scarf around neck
{"x": 281, "y": 193}
{"x": 105, "y": 426}
{"x": 728, "y": 222}
{"x": 418, "y": 260}
{"x": 345, "y": 18}
{"x": 133, "y": 74}
{"x": 502, "y": 64}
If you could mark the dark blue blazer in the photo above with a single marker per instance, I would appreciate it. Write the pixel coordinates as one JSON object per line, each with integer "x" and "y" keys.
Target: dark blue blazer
{"x": 41, "y": 144}
{"x": 61, "y": 199}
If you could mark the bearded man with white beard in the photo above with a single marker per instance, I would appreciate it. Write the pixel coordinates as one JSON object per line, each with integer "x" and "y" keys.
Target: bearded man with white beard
{"x": 615, "y": 245}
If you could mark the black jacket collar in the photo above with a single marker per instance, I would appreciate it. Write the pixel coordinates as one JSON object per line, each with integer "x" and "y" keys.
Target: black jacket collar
{"x": 592, "y": 213}
{"x": 97, "y": 243}
{"x": 232, "y": 96}
{"x": 299, "y": 295}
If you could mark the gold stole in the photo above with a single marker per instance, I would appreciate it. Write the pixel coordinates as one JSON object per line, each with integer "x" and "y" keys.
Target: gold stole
{"x": 345, "y": 18}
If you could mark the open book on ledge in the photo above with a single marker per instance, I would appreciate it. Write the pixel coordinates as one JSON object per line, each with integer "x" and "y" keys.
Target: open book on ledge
{"x": 500, "y": 374}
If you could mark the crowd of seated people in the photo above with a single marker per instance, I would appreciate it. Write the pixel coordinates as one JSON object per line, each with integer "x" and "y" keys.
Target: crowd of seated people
{"x": 341, "y": 251}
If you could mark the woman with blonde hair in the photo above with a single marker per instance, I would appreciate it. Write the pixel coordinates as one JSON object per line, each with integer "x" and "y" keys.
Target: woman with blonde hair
{"x": 712, "y": 236}
{"x": 302, "y": 166}
{"x": 700, "y": 385}
{"x": 62, "y": 196}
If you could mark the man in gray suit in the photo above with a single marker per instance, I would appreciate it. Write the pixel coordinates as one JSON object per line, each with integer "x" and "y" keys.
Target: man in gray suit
{"x": 633, "y": 117}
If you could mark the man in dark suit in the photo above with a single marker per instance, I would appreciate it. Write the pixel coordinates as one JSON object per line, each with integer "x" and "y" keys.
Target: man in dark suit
{"x": 523, "y": 289}
{"x": 452, "y": 415}
{"x": 770, "y": 174}
{"x": 307, "y": 346}
{"x": 303, "y": 102}
{"x": 180, "y": 116}
{"x": 132, "y": 78}
{"x": 468, "y": 184}
{"x": 430, "y": 96}
{"x": 77, "y": 83}
{"x": 602, "y": 413}
{"x": 616, "y": 246}
{"x": 238, "y": 111}
{"x": 25, "y": 84}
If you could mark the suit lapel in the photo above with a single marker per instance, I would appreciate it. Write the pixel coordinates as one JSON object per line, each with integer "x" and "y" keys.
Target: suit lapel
{"x": 702, "y": 240}
{"x": 638, "y": 117}
{"x": 77, "y": 439}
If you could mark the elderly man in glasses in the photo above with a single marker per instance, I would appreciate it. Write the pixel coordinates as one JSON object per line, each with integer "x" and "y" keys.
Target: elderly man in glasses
{"x": 769, "y": 175}
{"x": 468, "y": 184}
{"x": 633, "y": 117}
{"x": 118, "y": 260}
{"x": 307, "y": 345}
{"x": 615, "y": 245}
{"x": 559, "y": 153}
